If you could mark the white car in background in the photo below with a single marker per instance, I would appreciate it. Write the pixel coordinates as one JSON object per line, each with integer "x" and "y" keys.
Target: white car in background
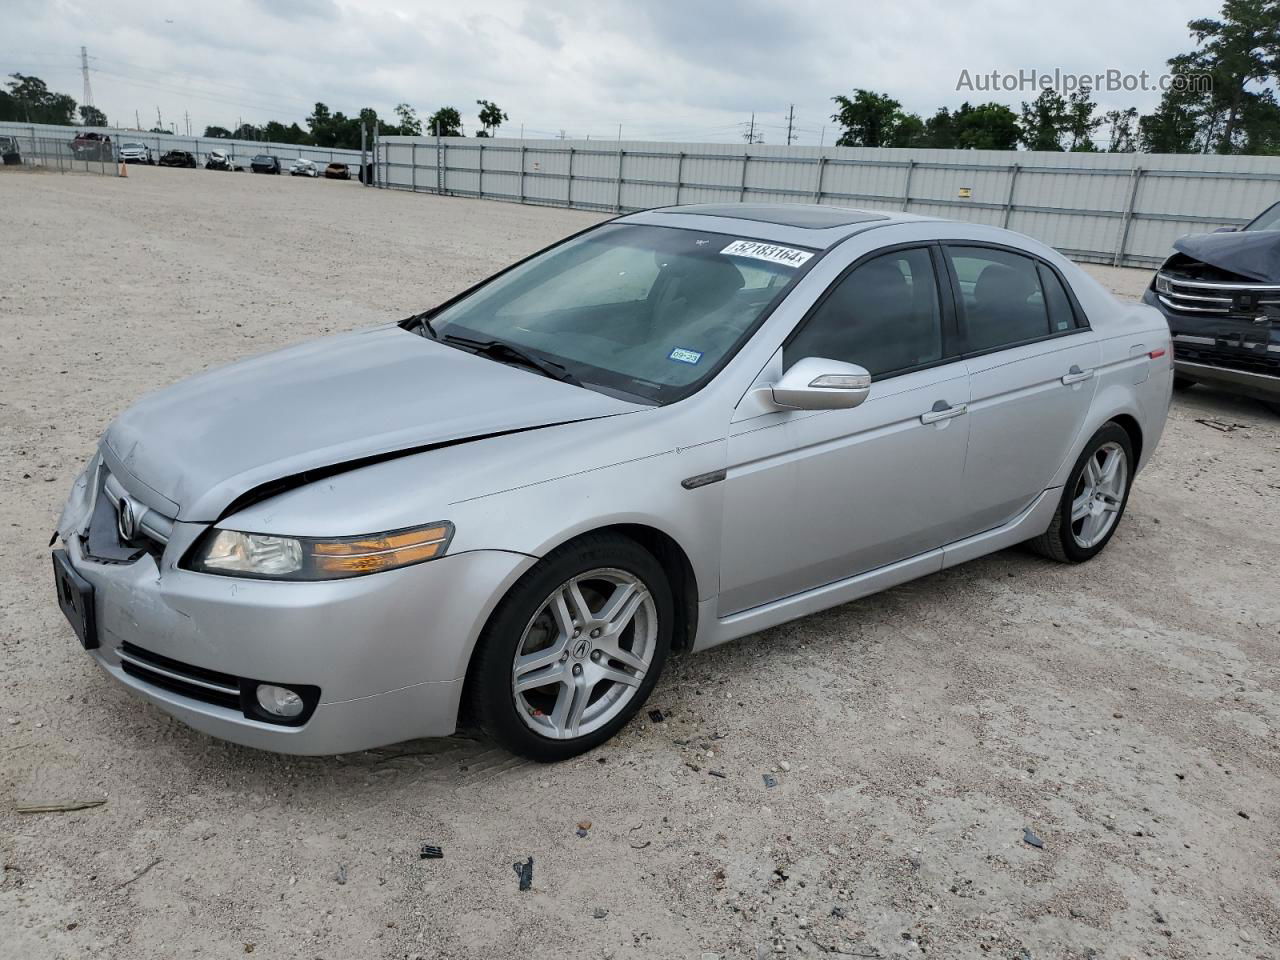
{"x": 134, "y": 152}
{"x": 303, "y": 168}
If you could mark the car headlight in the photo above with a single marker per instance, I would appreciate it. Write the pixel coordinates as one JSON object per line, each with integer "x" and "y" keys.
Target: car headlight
{"x": 1162, "y": 284}
{"x": 233, "y": 553}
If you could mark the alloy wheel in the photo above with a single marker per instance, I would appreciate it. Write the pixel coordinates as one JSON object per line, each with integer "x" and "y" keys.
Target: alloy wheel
{"x": 1099, "y": 494}
{"x": 584, "y": 653}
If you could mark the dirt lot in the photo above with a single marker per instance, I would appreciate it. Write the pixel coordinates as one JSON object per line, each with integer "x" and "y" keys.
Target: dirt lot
{"x": 1126, "y": 711}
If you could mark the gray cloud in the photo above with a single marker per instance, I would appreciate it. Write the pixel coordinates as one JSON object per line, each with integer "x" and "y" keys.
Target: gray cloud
{"x": 662, "y": 68}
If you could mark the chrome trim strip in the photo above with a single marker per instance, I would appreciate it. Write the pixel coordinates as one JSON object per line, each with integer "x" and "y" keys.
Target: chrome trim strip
{"x": 170, "y": 674}
{"x": 1215, "y": 285}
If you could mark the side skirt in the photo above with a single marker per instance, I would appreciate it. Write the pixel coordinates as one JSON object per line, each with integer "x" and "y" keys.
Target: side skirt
{"x": 714, "y": 631}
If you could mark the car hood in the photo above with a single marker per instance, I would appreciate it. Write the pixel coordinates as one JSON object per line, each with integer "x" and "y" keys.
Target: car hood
{"x": 191, "y": 449}
{"x": 1251, "y": 253}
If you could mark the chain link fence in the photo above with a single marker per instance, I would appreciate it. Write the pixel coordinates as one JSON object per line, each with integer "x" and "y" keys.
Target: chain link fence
{"x": 58, "y": 155}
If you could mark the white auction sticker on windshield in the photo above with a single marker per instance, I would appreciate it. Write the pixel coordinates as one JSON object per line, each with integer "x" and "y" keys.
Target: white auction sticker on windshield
{"x": 757, "y": 250}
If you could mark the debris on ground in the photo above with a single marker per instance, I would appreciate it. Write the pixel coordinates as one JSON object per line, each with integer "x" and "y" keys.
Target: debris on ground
{"x": 525, "y": 872}
{"x": 770, "y": 780}
{"x": 141, "y": 873}
{"x": 582, "y": 833}
{"x": 718, "y": 773}
{"x": 341, "y": 875}
{"x": 1221, "y": 425}
{"x": 428, "y": 852}
{"x": 599, "y": 913}
{"x": 641, "y": 846}
{"x": 59, "y": 806}
{"x": 656, "y": 716}
{"x": 1029, "y": 837}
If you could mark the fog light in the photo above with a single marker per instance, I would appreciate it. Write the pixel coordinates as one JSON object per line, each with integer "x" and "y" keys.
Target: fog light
{"x": 279, "y": 701}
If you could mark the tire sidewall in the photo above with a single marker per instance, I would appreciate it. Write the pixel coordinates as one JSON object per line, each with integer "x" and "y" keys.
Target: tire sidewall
{"x": 1109, "y": 433}
{"x": 490, "y": 695}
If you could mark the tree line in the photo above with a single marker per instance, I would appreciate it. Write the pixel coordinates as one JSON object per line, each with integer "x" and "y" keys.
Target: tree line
{"x": 1219, "y": 99}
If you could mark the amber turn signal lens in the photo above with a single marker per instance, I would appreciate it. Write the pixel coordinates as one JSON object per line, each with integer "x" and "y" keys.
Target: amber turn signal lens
{"x": 360, "y": 555}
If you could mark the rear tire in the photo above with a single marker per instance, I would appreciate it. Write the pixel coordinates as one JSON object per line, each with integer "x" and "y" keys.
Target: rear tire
{"x": 1182, "y": 383}
{"x": 1093, "y": 499}
{"x": 573, "y": 650}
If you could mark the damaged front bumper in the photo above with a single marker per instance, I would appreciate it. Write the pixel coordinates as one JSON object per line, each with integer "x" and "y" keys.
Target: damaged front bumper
{"x": 382, "y": 657}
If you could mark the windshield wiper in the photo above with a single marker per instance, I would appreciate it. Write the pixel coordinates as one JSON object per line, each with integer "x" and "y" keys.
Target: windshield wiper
{"x": 425, "y": 323}
{"x": 500, "y": 350}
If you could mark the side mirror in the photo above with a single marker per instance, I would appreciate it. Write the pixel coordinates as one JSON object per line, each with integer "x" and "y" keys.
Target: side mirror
{"x": 817, "y": 384}
{"x": 1226, "y": 230}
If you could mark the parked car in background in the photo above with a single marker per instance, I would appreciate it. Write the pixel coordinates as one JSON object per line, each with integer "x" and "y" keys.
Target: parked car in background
{"x": 1220, "y": 293}
{"x": 668, "y": 431}
{"x": 10, "y": 153}
{"x": 303, "y": 168}
{"x": 337, "y": 171}
{"x": 134, "y": 152}
{"x": 178, "y": 158}
{"x": 217, "y": 160}
{"x": 264, "y": 164}
{"x": 92, "y": 146}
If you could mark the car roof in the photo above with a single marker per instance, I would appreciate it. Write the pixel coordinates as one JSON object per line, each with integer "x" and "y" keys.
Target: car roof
{"x": 804, "y": 224}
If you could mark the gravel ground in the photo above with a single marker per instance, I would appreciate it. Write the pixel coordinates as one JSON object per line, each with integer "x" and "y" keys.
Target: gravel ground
{"x": 1125, "y": 711}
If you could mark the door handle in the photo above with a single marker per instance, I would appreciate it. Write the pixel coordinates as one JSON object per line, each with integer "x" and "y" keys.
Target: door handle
{"x": 941, "y": 411}
{"x": 1076, "y": 375}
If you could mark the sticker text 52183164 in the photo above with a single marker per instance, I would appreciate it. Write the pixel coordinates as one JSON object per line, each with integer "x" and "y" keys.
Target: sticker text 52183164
{"x": 758, "y": 250}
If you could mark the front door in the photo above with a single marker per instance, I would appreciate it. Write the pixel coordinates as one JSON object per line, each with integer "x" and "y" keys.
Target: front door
{"x": 813, "y": 497}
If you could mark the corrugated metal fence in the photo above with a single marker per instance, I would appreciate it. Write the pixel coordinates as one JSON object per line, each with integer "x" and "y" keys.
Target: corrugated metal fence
{"x": 240, "y": 150}
{"x": 1123, "y": 209}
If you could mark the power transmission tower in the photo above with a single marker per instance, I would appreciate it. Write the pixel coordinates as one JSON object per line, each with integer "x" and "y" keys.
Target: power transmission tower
{"x": 84, "y": 68}
{"x": 750, "y": 136}
{"x": 159, "y": 122}
{"x": 791, "y": 116}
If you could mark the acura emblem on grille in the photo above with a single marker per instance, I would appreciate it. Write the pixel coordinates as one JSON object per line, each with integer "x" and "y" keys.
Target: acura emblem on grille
{"x": 127, "y": 515}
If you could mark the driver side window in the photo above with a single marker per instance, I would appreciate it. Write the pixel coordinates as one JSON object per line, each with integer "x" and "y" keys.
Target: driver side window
{"x": 884, "y": 316}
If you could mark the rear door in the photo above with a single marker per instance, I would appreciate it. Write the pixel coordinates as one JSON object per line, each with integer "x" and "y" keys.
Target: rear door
{"x": 1031, "y": 360}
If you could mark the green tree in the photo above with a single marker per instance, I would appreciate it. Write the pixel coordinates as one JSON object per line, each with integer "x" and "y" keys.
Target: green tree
{"x": 908, "y": 131}
{"x": 1044, "y": 121}
{"x": 91, "y": 116}
{"x": 410, "y": 125}
{"x": 491, "y": 117}
{"x": 1081, "y": 124}
{"x": 30, "y": 101}
{"x": 1241, "y": 47}
{"x": 869, "y": 119}
{"x": 988, "y": 126}
{"x": 445, "y": 122}
{"x": 1122, "y": 136}
{"x": 222, "y": 133}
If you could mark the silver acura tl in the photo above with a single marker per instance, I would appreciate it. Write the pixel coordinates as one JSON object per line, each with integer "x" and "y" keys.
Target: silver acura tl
{"x": 668, "y": 431}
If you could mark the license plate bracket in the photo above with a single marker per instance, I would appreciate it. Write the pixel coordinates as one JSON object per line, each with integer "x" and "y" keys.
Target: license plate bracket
{"x": 75, "y": 597}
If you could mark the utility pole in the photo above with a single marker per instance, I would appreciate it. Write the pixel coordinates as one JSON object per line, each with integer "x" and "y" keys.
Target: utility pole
{"x": 186, "y": 116}
{"x": 159, "y": 122}
{"x": 751, "y": 131}
{"x": 619, "y": 133}
{"x": 791, "y": 116}
{"x": 84, "y": 68}
{"x": 137, "y": 120}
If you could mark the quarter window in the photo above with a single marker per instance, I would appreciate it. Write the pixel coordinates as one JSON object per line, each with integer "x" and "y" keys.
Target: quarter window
{"x": 1061, "y": 316}
{"x": 1002, "y": 302}
{"x": 883, "y": 316}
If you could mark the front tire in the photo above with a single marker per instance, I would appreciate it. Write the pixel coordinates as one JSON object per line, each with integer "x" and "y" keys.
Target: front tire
{"x": 1093, "y": 499}
{"x": 574, "y": 649}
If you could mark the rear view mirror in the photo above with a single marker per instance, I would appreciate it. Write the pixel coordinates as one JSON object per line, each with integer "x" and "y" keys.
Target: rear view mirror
{"x": 817, "y": 384}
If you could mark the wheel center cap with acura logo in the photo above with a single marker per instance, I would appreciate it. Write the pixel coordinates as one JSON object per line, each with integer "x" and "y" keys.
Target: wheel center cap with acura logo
{"x": 581, "y": 649}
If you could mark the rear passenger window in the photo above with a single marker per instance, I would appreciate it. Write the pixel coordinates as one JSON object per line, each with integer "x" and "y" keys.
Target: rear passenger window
{"x": 1061, "y": 316}
{"x": 1002, "y": 302}
{"x": 883, "y": 316}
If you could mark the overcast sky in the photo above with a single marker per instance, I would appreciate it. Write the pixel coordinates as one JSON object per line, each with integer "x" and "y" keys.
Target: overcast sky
{"x": 664, "y": 69}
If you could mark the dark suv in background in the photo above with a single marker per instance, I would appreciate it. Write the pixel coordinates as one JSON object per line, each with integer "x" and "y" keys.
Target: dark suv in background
{"x": 1220, "y": 293}
{"x": 264, "y": 164}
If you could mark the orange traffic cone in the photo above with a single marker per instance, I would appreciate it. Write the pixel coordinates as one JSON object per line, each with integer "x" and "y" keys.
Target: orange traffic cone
{"x": 124, "y": 169}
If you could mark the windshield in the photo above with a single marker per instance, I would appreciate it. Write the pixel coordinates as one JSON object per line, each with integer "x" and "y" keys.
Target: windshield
{"x": 648, "y": 311}
{"x": 1269, "y": 219}
{"x": 131, "y": 146}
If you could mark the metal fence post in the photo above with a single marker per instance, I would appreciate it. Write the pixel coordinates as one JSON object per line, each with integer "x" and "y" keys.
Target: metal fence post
{"x": 1136, "y": 178}
{"x": 363, "y": 137}
{"x": 817, "y": 190}
{"x": 522, "y": 165}
{"x": 617, "y": 196}
{"x": 906, "y": 187}
{"x": 480, "y": 173}
{"x": 413, "y": 166}
{"x": 742, "y": 185}
{"x": 1008, "y": 200}
{"x": 568, "y": 193}
{"x": 444, "y": 165}
{"x": 679, "y": 174}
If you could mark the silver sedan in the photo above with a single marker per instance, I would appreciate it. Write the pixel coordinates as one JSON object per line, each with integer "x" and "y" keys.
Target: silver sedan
{"x": 663, "y": 433}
